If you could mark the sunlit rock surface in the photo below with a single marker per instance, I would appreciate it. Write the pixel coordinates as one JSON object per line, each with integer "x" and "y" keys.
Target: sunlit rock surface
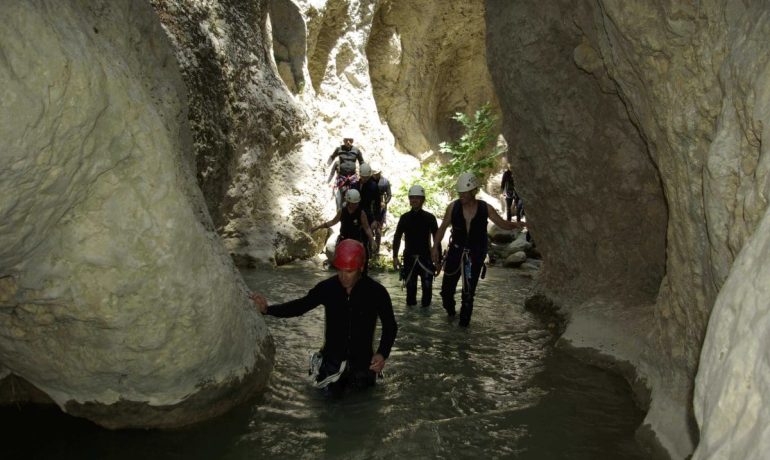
{"x": 427, "y": 61}
{"x": 117, "y": 298}
{"x": 641, "y": 124}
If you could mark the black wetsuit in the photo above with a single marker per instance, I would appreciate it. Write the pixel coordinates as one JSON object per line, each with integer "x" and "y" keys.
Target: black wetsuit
{"x": 371, "y": 200}
{"x": 508, "y": 188}
{"x": 417, "y": 227}
{"x": 350, "y": 225}
{"x": 350, "y": 324}
{"x": 386, "y": 194}
{"x": 347, "y": 159}
{"x": 465, "y": 257}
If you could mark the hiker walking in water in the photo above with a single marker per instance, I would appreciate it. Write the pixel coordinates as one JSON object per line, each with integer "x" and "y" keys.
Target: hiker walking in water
{"x": 370, "y": 202}
{"x": 386, "y": 194}
{"x": 352, "y": 304}
{"x": 353, "y": 223}
{"x": 467, "y": 245}
{"x": 509, "y": 192}
{"x": 346, "y": 157}
{"x": 418, "y": 227}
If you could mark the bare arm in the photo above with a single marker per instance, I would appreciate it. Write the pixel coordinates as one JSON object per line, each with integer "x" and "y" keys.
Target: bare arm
{"x": 499, "y": 221}
{"x": 327, "y": 224}
{"x": 434, "y": 250}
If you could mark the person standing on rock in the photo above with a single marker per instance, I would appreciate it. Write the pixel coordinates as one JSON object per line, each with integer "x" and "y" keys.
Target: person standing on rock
{"x": 353, "y": 223}
{"x": 418, "y": 227}
{"x": 352, "y": 304}
{"x": 346, "y": 157}
{"x": 468, "y": 245}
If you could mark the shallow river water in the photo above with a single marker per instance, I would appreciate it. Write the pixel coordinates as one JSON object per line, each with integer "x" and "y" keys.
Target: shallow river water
{"x": 498, "y": 389}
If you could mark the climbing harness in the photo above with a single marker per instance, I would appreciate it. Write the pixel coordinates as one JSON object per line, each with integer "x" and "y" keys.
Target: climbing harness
{"x": 341, "y": 185}
{"x": 466, "y": 266}
{"x": 405, "y": 279}
{"x": 316, "y": 361}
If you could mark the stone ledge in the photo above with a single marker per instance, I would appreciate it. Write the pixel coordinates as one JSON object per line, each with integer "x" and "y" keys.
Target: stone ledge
{"x": 212, "y": 400}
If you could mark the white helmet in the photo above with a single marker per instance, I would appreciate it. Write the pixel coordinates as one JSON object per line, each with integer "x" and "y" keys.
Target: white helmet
{"x": 365, "y": 170}
{"x": 352, "y": 196}
{"x": 417, "y": 190}
{"x": 466, "y": 182}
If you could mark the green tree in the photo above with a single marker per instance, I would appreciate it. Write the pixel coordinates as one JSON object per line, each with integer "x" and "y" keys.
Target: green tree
{"x": 476, "y": 151}
{"x": 436, "y": 196}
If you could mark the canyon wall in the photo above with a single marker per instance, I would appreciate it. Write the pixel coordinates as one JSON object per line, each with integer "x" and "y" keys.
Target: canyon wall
{"x": 639, "y": 125}
{"x": 118, "y": 300}
{"x": 147, "y": 145}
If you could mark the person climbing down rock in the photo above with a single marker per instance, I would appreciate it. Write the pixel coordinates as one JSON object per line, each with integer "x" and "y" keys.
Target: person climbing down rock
{"x": 418, "y": 227}
{"x": 352, "y": 304}
{"x": 468, "y": 245}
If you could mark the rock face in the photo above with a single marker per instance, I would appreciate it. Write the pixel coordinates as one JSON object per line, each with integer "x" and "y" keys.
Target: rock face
{"x": 639, "y": 123}
{"x": 647, "y": 120}
{"x": 245, "y": 123}
{"x": 427, "y": 61}
{"x": 117, "y": 298}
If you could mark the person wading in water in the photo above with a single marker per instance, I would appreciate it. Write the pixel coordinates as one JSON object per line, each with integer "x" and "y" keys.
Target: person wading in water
{"x": 418, "y": 227}
{"x": 467, "y": 245}
{"x": 352, "y": 304}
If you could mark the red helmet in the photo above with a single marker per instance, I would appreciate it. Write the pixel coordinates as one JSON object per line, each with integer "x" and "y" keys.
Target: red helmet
{"x": 349, "y": 255}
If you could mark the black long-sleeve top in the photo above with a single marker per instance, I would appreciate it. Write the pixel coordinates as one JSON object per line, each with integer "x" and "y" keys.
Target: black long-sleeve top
{"x": 350, "y": 319}
{"x": 371, "y": 200}
{"x": 417, "y": 227}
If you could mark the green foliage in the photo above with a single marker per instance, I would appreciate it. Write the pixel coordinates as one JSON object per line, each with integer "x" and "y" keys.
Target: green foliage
{"x": 476, "y": 151}
{"x": 436, "y": 197}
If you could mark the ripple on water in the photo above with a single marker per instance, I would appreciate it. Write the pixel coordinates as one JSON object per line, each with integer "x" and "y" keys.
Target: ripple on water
{"x": 497, "y": 389}
{"x": 448, "y": 392}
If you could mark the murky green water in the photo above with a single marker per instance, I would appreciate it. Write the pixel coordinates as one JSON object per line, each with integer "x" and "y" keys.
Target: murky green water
{"x": 495, "y": 390}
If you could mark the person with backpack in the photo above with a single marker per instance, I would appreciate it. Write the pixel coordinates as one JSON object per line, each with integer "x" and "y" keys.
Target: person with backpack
{"x": 345, "y": 158}
{"x": 352, "y": 303}
{"x": 468, "y": 245}
{"x": 417, "y": 227}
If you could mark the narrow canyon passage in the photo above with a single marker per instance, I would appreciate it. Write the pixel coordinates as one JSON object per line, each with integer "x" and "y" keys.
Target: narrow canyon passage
{"x": 498, "y": 389}
{"x": 152, "y": 148}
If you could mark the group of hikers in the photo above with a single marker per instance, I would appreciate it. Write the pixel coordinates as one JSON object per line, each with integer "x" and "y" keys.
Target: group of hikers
{"x": 353, "y": 301}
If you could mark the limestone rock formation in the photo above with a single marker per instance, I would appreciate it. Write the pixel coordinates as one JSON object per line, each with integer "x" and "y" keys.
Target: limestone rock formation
{"x": 117, "y": 298}
{"x": 137, "y": 136}
{"x": 246, "y": 125}
{"x": 646, "y": 120}
{"x": 734, "y": 376}
{"x": 427, "y": 61}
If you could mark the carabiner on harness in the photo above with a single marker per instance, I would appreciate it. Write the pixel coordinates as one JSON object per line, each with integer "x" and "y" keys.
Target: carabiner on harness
{"x": 316, "y": 361}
